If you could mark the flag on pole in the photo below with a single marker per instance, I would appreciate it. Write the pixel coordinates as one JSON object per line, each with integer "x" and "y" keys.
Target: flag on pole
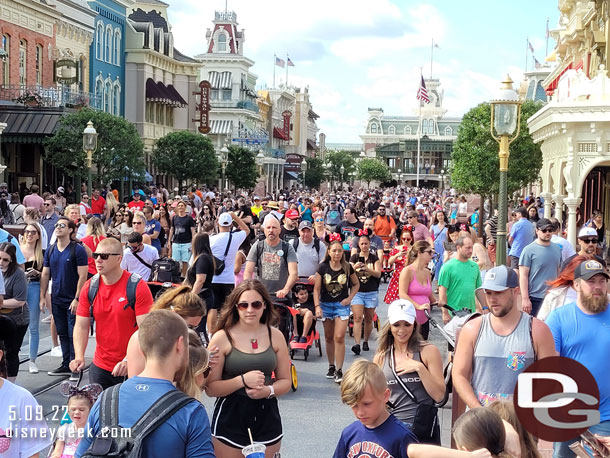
{"x": 280, "y": 62}
{"x": 422, "y": 93}
{"x": 289, "y": 62}
{"x": 547, "y": 28}
{"x": 530, "y": 45}
{"x": 536, "y": 63}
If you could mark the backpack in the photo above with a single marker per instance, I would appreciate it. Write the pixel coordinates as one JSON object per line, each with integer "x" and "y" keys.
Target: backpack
{"x": 316, "y": 245}
{"x": 132, "y": 286}
{"x": 259, "y": 253}
{"x": 127, "y": 442}
{"x": 165, "y": 270}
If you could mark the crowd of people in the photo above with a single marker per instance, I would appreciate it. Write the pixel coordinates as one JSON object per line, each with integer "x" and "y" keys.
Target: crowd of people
{"x": 239, "y": 260}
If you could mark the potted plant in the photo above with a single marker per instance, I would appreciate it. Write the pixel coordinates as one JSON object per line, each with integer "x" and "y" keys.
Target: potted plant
{"x": 29, "y": 98}
{"x": 80, "y": 101}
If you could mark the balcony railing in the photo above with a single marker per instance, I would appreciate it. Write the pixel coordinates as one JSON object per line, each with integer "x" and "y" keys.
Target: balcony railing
{"x": 240, "y": 104}
{"x": 53, "y": 96}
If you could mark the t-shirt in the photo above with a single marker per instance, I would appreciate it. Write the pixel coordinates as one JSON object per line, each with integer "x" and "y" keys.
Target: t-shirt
{"x": 567, "y": 250}
{"x": 461, "y": 280}
{"x": 186, "y": 433}
{"x": 368, "y": 283}
{"x": 348, "y": 230}
{"x": 4, "y": 237}
{"x": 218, "y": 244}
{"x": 22, "y": 416}
{"x": 335, "y": 284}
{"x": 288, "y": 235}
{"x": 420, "y": 232}
{"x": 523, "y": 233}
{"x": 309, "y": 258}
{"x": 384, "y": 225}
{"x": 92, "y": 244}
{"x": 97, "y": 205}
{"x": 136, "y": 204}
{"x": 64, "y": 271}
{"x": 115, "y": 322}
{"x": 202, "y": 265}
{"x": 544, "y": 262}
{"x": 573, "y": 330}
{"x": 390, "y": 439}
{"x": 133, "y": 265}
{"x": 376, "y": 243}
{"x": 333, "y": 215}
{"x": 33, "y": 200}
{"x": 182, "y": 228}
{"x": 273, "y": 269}
{"x": 150, "y": 228}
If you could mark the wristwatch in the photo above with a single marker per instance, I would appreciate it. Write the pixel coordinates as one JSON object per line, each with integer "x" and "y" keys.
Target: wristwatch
{"x": 271, "y": 392}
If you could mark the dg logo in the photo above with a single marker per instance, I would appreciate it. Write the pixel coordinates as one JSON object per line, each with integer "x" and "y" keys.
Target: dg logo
{"x": 557, "y": 399}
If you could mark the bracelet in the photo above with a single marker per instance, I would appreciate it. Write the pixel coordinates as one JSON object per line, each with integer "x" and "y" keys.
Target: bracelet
{"x": 244, "y": 381}
{"x": 317, "y": 305}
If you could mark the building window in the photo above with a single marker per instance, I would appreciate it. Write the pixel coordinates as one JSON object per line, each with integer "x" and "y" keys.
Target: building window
{"x": 6, "y": 68}
{"x": 448, "y": 131}
{"x": 39, "y": 65}
{"x": 23, "y": 62}
{"x": 108, "y": 98}
{"x": 431, "y": 127}
{"x": 392, "y": 162}
{"x": 116, "y": 97}
{"x": 221, "y": 45}
{"x": 214, "y": 94}
{"x": 408, "y": 130}
{"x": 424, "y": 126}
{"x": 160, "y": 114}
{"x": 150, "y": 112}
{"x": 116, "y": 58}
{"x": 108, "y": 44}
{"x": 170, "y": 117}
{"x": 392, "y": 130}
{"x": 99, "y": 41}
{"x": 99, "y": 94}
{"x": 226, "y": 94}
{"x": 373, "y": 128}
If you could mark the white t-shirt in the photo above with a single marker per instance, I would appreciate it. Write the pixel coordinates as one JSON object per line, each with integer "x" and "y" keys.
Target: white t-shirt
{"x": 308, "y": 258}
{"x": 22, "y": 418}
{"x": 218, "y": 243}
{"x": 132, "y": 265}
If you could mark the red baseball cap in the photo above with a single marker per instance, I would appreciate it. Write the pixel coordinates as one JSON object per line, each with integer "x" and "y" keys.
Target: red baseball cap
{"x": 292, "y": 214}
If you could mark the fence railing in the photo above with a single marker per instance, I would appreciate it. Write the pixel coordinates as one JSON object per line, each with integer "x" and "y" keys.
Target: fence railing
{"x": 50, "y": 96}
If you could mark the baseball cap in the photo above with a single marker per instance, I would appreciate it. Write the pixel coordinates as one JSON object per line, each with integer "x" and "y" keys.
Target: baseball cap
{"x": 305, "y": 225}
{"x": 3, "y": 185}
{"x": 588, "y": 269}
{"x": 401, "y": 310}
{"x": 544, "y": 223}
{"x": 61, "y": 189}
{"x": 587, "y": 232}
{"x": 257, "y": 198}
{"x": 292, "y": 214}
{"x": 225, "y": 219}
{"x": 333, "y": 200}
{"x": 420, "y": 207}
{"x": 500, "y": 279}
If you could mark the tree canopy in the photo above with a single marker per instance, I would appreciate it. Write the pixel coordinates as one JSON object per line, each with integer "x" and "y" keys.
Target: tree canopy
{"x": 186, "y": 156}
{"x": 241, "y": 169}
{"x": 475, "y": 163}
{"x": 314, "y": 175}
{"x": 370, "y": 169}
{"x": 119, "y": 151}
{"x": 336, "y": 159}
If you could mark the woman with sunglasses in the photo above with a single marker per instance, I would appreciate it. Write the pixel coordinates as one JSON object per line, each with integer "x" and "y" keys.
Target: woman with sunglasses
{"x": 125, "y": 227}
{"x": 398, "y": 259}
{"x": 94, "y": 235}
{"x": 31, "y": 247}
{"x": 250, "y": 350}
{"x": 319, "y": 227}
{"x": 15, "y": 303}
{"x": 415, "y": 285}
{"x": 139, "y": 225}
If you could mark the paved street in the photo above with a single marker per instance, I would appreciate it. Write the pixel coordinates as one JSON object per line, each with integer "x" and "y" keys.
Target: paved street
{"x": 313, "y": 416}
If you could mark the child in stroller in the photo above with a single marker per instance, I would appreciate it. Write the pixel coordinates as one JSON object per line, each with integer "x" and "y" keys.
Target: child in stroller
{"x": 304, "y": 319}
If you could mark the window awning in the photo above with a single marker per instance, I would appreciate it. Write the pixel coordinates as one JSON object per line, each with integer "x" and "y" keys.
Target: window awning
{"x": 176, "y": 95}
{"x": 551, "y": 87}
{"x": 221, "y": 127}
{"x": 313, "y": 115}
{"x": 27, "y": 125}
{"x": 158, "y": 92}
{"x": 291, "y": 175}
{"x": 279, "y": 133}
{"x": 221, "y": 80}
{"x": 311, "y": 145}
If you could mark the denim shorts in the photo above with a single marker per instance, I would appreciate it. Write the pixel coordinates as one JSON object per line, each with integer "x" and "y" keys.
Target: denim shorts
{"x": 181, "y": 252}
{"x": 369, "y": 300}
{"x": 332, "y": 310}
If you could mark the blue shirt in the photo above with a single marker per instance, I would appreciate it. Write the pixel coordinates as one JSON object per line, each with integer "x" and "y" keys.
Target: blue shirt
{"x": 572, "y": 330}
{"x": 184, "y": 434}
{"x": 49, "y": 223}
{"x": 4, "y": 237}
{"x": 64, "y": 271}
{"x": 543, "y": 262}
{"x": 523, "y": 234}
{"x": 151, "y": 227}
{"x": 391, "y": 437}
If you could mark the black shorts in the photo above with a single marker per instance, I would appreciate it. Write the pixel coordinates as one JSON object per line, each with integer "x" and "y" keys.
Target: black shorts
{"x": 221, "y": 291}
{"x": 234, "y": 414}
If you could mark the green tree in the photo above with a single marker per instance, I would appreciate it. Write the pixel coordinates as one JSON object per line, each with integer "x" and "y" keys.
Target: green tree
{"x": 314, "y": 175}
{"x": 186, "y": 156}
{"x": 370, "y": 169}
{"x": 475, "y": 164}
{"x": 336, "y": 159}
{"x": 119, "y": 147}
{"x": 241, "y": 170}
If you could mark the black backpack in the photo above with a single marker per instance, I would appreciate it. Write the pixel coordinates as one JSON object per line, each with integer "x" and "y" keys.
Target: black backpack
{"x": 316, "y": 244}
{"x": 132, "y": 286}
{"x": 165, "y": 270}
{"x": 127, "y": 442}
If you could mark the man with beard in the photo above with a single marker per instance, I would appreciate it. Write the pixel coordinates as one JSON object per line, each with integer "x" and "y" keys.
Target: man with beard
{"x": 495, "y": 348}
{"x": 581, "y": 332}
{"x": 587, "y": 240}
{"x": 187, "y": 432}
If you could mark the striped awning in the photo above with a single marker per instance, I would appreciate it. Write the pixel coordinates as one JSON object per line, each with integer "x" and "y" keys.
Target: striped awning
{"x": 220, "y": 80}
{"x": 221, "y": 127}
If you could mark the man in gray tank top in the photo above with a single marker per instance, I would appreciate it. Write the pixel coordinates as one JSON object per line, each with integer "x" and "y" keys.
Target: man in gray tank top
{"x": 495, "y": 348}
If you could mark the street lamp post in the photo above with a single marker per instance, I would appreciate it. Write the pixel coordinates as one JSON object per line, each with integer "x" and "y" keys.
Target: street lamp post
{"x": 399, "y": 174}
{"x": 89, "y": 146}
{"x": 223, "y": 158}
{"x": 506, "y": 120}
{"x": 304, "y": 171}
{"x": 342, "y": 170}
{"x": 442, "y": 180}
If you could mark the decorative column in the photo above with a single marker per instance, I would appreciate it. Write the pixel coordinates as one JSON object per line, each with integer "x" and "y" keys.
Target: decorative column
{"x": 572, "y": 203}
{"x": 3, "y": 126}
{"x": 558, "y": 198}
{"x": 547, "y": 203}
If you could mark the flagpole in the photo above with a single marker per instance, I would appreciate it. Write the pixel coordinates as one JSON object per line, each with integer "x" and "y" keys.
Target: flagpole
{"x": 419, "y": 136}
{"x": 286, "y": 70}
{"x": 527, "y": 42}
{"x": 274, "y": 57}
{"x": 547, "y": 37}
{"x": 431, "y": 54}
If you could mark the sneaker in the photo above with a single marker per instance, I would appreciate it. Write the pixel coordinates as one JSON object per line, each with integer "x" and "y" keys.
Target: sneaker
{"x": 74, "y": 376}
{"x": 46, "y": 319}
{"x": 338, "y": 376}
{"x": 32, "y": 368}
{"x": 356, "y": 349}
{"x": 365, "y": 346}
{"x": 331, "y": 371}
{"x": 294, "y": 339}
{"x": 61, "y": 370}
{"x": 56, "y": 351}
{"x": 303, "y": 339}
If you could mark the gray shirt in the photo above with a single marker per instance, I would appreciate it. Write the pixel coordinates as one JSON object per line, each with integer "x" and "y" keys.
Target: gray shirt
{"x": 308, "y": 257}
{"x": 544, "y": 262}
{"x": 273, "y": 264}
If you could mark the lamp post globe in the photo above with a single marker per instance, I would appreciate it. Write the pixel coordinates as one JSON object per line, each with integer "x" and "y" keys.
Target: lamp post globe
{"x": 89, "y": 147}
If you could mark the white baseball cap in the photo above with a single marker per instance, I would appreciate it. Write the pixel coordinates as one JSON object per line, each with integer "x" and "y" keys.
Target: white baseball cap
{"x": 225, "y": 219}
{"x": 401, "y": 310}
{"x": 587, "y": 232}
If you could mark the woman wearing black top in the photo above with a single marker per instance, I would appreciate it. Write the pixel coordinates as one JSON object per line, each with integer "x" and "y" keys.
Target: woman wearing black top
{"x": 199, "y": 275}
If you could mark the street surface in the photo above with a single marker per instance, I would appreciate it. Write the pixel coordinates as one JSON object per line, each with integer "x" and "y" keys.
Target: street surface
{"x": 313, "y": 416}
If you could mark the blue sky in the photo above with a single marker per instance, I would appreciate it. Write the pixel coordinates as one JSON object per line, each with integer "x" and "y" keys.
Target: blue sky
{"x": 355, "y": 54}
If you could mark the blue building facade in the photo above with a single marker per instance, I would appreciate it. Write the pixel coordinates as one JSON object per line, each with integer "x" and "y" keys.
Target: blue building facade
{"x": 107, "y": 56}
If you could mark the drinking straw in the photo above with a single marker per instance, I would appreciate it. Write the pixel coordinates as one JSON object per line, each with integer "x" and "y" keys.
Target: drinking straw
{"x": 250, "y": 434}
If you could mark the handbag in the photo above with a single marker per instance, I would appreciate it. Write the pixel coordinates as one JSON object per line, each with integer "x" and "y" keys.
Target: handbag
{"x": 426, "y": 417}
{"x": 220, "y": 263}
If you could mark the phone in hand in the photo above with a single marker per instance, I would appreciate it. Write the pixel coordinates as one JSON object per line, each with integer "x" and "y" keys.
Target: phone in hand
{"x": 361, "y": 259}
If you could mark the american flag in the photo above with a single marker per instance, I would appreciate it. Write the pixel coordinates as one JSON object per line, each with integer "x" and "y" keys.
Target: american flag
{"x": 280, "y": 62}
{"x": 290, "y": 63}
{"x": 422, "y": 93}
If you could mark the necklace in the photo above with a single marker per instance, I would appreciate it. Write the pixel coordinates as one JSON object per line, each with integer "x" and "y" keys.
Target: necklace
{"x": 254, "y": 344}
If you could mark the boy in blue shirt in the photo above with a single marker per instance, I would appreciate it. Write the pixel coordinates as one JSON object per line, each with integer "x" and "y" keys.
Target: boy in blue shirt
{"x": 377, "y": 432}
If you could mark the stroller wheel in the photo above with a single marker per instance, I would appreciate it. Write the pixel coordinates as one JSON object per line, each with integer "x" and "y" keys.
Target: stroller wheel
{"x": 291, "y": 354}
{"x": 306, "y": 354}
{"x": 293, "y": 377}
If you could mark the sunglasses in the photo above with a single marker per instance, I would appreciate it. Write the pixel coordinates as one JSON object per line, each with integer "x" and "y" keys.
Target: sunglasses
{"x": 256, "y": 305}
{"x": 430, "y": 252}
{"x": 589, "y": 240}
{"x": 546, "y": 231}
{"x": 319, "y": 220}
{"x": 105, "y": 256}
{"x": 137, "y": 222}
{"x": 134, "y": 248}
{"x": 61, "y": 225}
{"x": 30, "y": 232}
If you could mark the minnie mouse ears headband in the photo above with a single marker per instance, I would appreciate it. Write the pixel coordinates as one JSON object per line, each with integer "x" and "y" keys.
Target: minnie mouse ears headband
{"x": 364, "y": 233}
{"x": 334, "y": 237}
{"x": 408, "y": 227}
{"x": 91, "y": 391}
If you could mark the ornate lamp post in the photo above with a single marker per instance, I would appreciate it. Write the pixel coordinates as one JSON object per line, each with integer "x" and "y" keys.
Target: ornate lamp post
{"x": 304, "y": 171}
{"x": 223, "y": 158}
{"x": 442, "y": 180}
{"x": 505, "y": 120}
{"x": 89, "y": 147}
{"x": 342, "y": 170}
{"x": 399, "y": 175}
